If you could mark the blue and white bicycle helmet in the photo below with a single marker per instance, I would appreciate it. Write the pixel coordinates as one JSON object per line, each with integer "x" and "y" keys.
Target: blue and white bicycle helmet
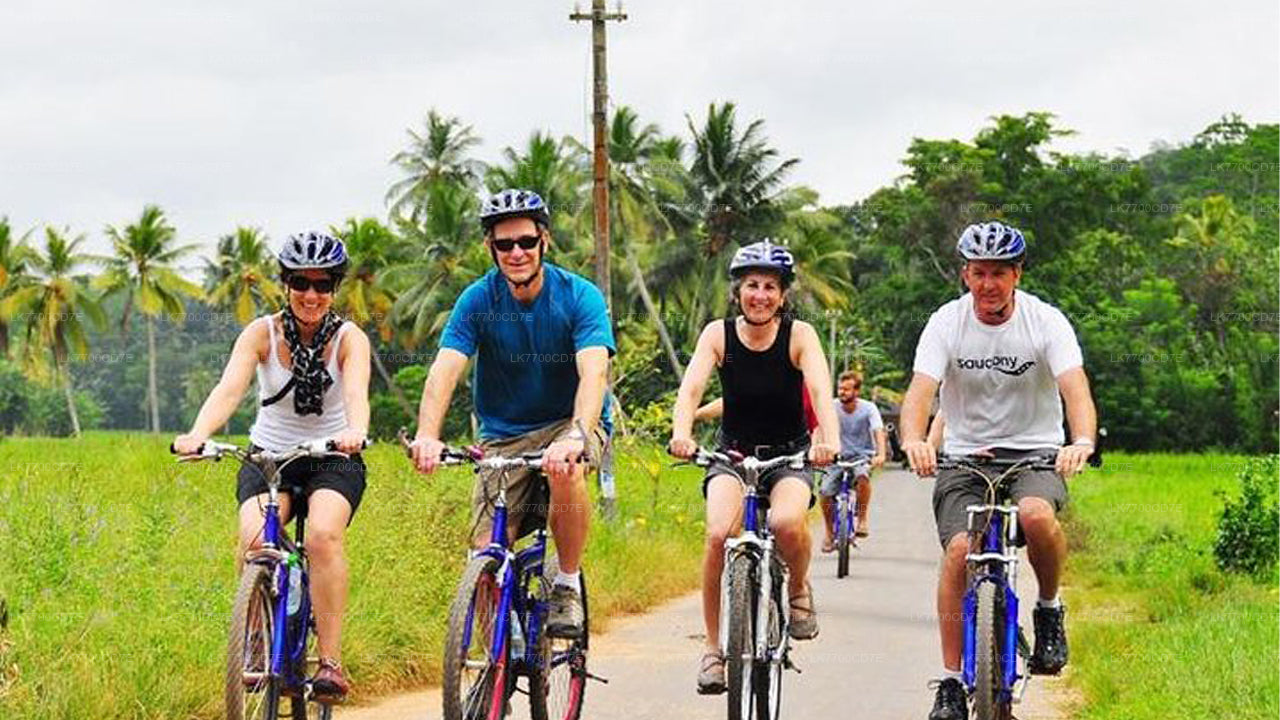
{"x": 313, "y": 251}
{"x": 764, "y": 255}
{"x": 511, "y": 203}
{"x": 991, "y": 241}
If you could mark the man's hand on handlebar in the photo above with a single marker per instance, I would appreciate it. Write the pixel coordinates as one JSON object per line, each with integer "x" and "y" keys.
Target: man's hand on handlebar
{"x": 188, "y": 444}
{"x": 877, "y": 461}
{"x": 922, "y": 457}
{"x": 1072, "y": 458}
{"x": 426, "y": 453}
{"x": 561, "y": 457}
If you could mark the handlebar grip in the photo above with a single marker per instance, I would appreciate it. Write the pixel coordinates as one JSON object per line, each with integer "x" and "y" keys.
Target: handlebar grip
{"x": 174, "y": 451}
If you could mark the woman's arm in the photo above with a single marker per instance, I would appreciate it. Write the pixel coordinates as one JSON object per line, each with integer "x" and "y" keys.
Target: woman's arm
{"x": 226, "y": 395}
{"x": 354, "y": 358}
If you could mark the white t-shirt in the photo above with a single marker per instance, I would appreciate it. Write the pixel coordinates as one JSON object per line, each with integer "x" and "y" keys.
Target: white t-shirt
{"x": 999, "y": 384}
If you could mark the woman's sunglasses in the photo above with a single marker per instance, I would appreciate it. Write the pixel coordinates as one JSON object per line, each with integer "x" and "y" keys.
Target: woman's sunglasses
{"x": 300, "y": 283}
{"x": 527, "y": 242}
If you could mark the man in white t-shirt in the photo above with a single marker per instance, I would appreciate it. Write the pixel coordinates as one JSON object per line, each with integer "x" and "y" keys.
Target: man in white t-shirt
{"x": 862, "y": 438}
{"x": 1007, "y": 362}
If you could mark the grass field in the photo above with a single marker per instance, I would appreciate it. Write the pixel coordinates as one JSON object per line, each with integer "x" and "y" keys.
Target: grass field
{"x": 1157, "y": 631}
{"x": 118, "y": 571}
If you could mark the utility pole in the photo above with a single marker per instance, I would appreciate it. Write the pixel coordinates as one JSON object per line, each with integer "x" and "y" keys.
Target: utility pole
{"x": 600, "y": 199}
{"x": 600, "y": 193}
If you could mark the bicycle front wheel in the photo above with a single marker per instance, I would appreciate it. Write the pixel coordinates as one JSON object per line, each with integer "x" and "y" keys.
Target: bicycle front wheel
{"x": 739, "y": 655}
{"x": 475, "y": 682}
{"x": 558, "y": 683}
{"x": 768, "y": 672}
{"x": 844, "y": 535}
{"x": 252, "y": 692}
{"x": 990, "y": 702}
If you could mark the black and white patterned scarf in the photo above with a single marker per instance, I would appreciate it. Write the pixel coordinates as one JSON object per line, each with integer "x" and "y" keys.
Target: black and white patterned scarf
{"x": 310, "y": 378}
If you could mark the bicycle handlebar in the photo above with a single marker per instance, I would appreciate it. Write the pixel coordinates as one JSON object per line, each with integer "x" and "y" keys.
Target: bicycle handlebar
{"x": 212, "y": 450}
{"x": 975, "y": 462}
{"x": 474, "y": 455}
{"x": 703, "y": 457}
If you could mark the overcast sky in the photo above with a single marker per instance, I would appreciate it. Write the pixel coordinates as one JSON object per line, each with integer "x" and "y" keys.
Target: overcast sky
{"x": 283, "y": 114}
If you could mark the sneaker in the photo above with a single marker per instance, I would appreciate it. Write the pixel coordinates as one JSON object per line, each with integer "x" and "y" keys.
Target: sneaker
{"x": 330, "y": 686}
{"x": 1050, "y": 655}
{"x": 565, "y": 618}
{"x": 951, "y": 703}
{"x": 804, "y": 617}
{"x": 711, "y": 674}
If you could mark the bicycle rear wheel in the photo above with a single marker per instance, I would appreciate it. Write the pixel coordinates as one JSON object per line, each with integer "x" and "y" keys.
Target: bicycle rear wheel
{"x": 844, "y": 535}
{"x": 251, "y": 692}
{"x": 475, "y": 684}
{"x": 990, "y": 702}
{"x": 558, "y": 683}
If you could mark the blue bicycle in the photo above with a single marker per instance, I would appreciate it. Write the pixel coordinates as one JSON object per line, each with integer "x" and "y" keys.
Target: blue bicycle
{"x": 846, "y": 510}
{"x": 754, "y": 610}
{"x": 996, "y": 651}
{"x": 495, "y": 634}
{"x": 272, "y": 627}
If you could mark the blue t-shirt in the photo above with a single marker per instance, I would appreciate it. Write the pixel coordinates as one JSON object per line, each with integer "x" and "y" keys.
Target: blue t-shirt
{"x": 526, "y": 366}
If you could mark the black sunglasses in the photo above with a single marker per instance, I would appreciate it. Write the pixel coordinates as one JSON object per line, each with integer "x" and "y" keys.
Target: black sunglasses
{"x": 300, "y": 283}
{"x": 526, "y": 242}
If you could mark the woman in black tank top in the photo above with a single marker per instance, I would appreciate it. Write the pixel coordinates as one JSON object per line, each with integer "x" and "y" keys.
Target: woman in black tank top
{"x": 763, "y": 403}
{"x": 763, "y": 416}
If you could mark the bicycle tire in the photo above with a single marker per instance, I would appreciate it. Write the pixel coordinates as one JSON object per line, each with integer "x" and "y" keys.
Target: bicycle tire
{"x": 844, "y": 537}
{"x": 768, "y": 674}
{"x": 472, "y": 617}
{"x": 989, "y": 702}
{"x": 250, "y": 692}
{"x": 739, "y": 652}
{"x": 560, "y": 693}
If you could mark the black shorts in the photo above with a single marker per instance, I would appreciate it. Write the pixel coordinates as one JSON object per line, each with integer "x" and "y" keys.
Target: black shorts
{"x": 955, "y": 490}
{"x": 767, "y": 480}
{"x": 343, "y": 475}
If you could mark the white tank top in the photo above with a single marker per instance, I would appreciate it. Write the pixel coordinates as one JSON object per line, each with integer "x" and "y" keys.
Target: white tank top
{"x": 277, "y": 427}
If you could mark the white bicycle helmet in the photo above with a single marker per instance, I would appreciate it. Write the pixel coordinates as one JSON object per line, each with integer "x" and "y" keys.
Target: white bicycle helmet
{"x": 764, "y": 255}
{"x": 991, "y": 241}
{"x": 512, "y": 203}
{"x": 313, "y": 251}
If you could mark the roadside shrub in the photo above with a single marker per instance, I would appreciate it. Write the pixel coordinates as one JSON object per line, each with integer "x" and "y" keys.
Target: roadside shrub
{"x": 1247, "y": 528}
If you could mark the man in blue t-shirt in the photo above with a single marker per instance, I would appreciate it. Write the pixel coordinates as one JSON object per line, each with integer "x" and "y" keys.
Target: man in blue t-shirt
{"x": 542, "y": 341}
{"x": 862, "y": 437}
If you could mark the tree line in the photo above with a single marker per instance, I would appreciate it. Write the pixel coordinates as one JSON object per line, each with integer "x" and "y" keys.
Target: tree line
{"x": 1166, "y": 264}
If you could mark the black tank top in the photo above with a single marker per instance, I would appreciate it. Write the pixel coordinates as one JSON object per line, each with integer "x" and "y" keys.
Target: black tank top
{"x": 763, "y": 401}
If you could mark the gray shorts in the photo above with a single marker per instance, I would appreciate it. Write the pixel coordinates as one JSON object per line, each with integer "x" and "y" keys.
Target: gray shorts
{"x": 955, "y": 490}
{"x": 830, "y": 481}
{"x": 767, "y": 480}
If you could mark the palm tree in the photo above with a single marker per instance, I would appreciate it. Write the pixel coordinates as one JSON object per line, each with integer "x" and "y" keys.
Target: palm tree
{"x": 15, "y": 256}
{"x": 371, "y": 249}
{"x": 143, "y": 269}
{"x": 242, "y": 278}
{"x": 55, "y": 303}
{"x": 439, "y": 154}
{"x": 736, "y": 177}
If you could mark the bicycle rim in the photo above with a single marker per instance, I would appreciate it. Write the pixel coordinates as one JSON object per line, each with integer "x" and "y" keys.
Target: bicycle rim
{"x": 474, "y": 684}
{"x": 251, "y": 692}
{"x": 768, "y": 685}
{"x": 558, "y": 685}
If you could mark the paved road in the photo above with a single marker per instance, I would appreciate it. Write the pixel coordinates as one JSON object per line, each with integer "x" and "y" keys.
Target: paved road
{"x": 876, "y": 651}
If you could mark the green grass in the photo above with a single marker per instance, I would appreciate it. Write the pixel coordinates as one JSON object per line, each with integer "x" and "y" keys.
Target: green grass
{"x": 118, "y": 571}
{"x": 1157, "y": 631}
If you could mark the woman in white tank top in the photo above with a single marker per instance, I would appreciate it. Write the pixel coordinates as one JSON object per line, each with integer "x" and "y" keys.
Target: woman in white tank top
{"x": 313, "y": 383}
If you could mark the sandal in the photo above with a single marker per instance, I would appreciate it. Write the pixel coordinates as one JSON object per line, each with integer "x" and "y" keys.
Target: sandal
{"x": 804, "y": 618}
{"x": 711, "y": 674}
{"x": 828, "y": 545}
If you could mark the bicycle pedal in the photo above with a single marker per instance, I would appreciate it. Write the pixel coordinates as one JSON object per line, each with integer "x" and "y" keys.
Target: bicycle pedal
{"x": 597, "y": 678}
{"x": 792, "y": 666}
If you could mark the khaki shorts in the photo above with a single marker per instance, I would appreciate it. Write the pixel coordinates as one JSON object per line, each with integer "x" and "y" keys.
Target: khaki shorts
{"x": 528, "y": 496}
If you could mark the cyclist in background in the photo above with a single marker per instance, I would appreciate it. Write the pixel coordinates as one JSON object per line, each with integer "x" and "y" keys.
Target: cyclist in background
{"x": 862, "y": 436}
{"x": 1006, "y": 361}
{"x": 764, "y": 359}
{"x": 313, "y": 383}
{"x": 542, "y": 340}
